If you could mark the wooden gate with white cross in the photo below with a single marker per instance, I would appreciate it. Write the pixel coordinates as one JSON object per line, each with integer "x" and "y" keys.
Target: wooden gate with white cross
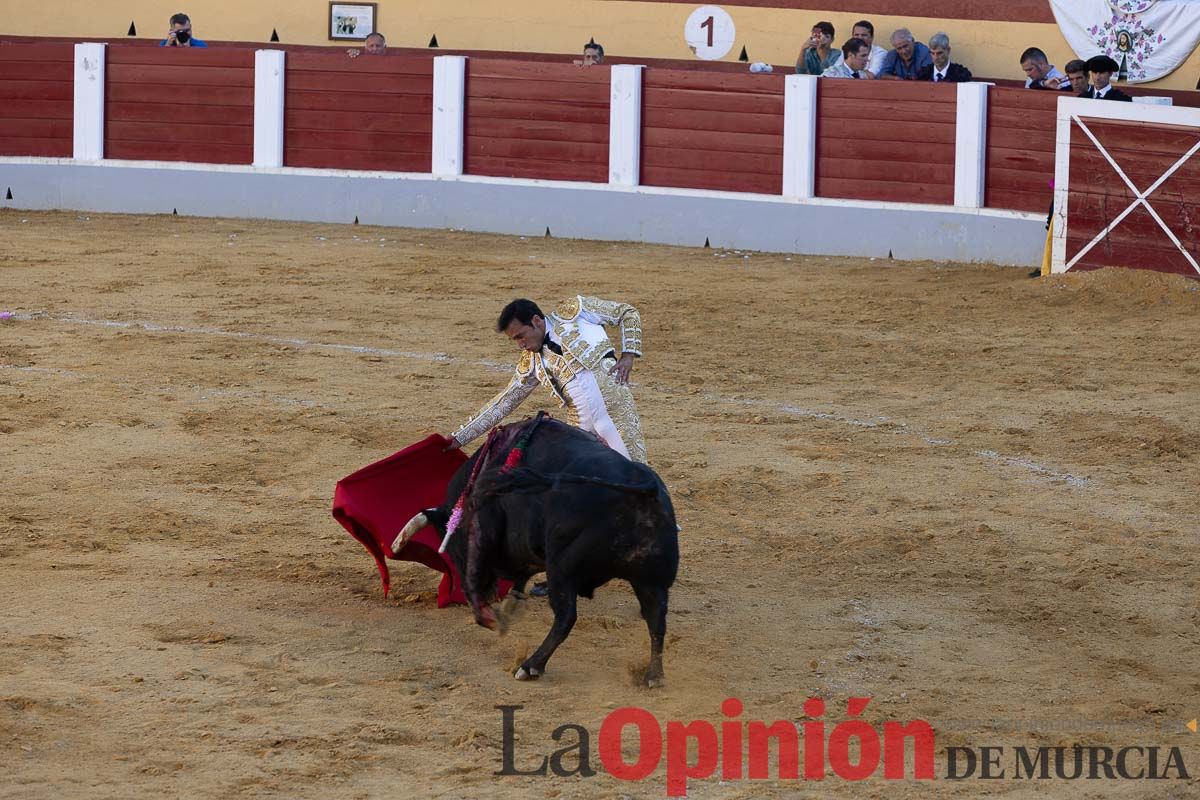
{"x": 1126, "y": 187}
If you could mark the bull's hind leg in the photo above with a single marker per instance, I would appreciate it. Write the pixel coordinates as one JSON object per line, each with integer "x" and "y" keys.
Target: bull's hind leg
{"x": 562, "y": 602}
{"x": 653, "y": 600}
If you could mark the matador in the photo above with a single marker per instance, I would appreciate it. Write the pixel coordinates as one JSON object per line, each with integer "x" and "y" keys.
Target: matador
{"x": 570, "y": 353}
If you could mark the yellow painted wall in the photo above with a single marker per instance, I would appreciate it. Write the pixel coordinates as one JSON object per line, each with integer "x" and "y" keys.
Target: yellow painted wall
{"x": 653, "y": 30}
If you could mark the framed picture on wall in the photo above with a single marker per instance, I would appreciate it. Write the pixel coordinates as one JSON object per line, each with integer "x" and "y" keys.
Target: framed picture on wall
{"x": 351, "y": 22}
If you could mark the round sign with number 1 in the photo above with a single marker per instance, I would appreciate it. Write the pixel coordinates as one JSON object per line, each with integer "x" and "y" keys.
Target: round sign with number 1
{"x": 709, "y": 32}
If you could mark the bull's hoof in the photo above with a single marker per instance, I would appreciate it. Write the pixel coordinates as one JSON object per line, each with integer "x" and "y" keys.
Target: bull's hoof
{"x": 530, "y": 674}
{"x": 487, "y": 618}
{"x": 655, "y": 681}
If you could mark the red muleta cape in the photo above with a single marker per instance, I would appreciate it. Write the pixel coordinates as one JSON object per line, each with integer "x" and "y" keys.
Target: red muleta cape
{"x": 374, "y": 503}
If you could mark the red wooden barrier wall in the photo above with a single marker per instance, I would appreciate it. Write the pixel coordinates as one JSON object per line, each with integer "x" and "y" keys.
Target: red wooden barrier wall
{"x": 886, "y": 140}
{"x": 180, "y": 104}
{"x": 712, "y": 131}
{"x": 37, "y": 85}
{"x": 1098, "y": 195}
{"x": 547, "y": 121}
{"x": 1020, "y": 149}
{"x": 368, "y": 112}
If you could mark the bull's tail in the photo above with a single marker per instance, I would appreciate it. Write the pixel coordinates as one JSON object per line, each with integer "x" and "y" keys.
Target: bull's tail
{"x": 523, "y": 480}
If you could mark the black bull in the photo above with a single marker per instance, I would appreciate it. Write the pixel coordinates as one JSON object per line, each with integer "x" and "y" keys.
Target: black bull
{"x": 575, "y": 509}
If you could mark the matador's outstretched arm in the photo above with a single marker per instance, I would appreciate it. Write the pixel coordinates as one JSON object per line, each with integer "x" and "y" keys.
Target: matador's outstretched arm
{"x": 499, "y": 407}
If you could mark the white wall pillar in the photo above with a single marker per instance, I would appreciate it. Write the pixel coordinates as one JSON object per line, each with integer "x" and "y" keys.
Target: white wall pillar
{"x": 89, "y": 101}
{"x": 269, "y": 76}
{"x": 800, "y": 136}
{"x": 625, "y": 125}
{"x": 1062, "y": 186}
{"x": 449, "y": 104}
{"x": 970, "y": 145}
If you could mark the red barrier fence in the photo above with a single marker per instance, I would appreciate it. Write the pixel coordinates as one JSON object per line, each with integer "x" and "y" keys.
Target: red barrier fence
{"x": 886, "y": 140}
{"x": 36, "y": 99}
{"x": 712, "y": 131}
{"x": 1098, "y": 196}
{"x": 547, "y": 121}
{"x": 358, "y": 113}
{"x": 179, "y": 104}
{"x": 701, "y": 129}
{"x": 1020, "y": 149}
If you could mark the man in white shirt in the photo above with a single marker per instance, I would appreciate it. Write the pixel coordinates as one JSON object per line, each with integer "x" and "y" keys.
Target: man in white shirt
{"x": 864, "y": 30}
{"x": 855, "y": 54}
{"x": 1040, "y": 73}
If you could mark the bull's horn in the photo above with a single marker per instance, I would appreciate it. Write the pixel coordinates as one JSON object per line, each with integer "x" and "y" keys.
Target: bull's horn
{"x": 415, "y": 524}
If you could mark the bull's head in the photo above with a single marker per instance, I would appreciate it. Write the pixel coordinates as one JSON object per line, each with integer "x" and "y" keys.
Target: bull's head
{"x": 420, "y": 520}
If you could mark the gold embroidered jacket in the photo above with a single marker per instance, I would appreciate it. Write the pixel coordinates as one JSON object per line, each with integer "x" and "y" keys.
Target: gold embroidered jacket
{"x": 578, "y": 326}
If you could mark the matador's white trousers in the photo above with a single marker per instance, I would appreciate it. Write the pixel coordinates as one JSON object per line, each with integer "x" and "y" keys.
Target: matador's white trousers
{"x": 585, "y": 396}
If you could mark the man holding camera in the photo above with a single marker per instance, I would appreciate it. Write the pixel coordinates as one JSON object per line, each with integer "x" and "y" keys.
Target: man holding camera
{"x": 180, "y": 34}
{"x": 818, "y": 53}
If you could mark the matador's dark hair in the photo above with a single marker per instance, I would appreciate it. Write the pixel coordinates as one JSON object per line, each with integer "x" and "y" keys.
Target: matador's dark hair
{"x": 522, "y": 310}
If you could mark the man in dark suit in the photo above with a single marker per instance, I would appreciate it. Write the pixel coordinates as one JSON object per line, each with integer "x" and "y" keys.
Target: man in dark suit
{"x": 1101, "y": 69}
{"x": 941, "y": 70}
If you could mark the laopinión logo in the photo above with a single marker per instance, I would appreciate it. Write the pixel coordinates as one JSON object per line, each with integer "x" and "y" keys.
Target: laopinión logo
{"x": 740, "y": 749}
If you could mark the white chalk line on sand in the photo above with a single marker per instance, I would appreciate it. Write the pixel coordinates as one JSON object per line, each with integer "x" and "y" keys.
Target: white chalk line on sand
{"x": 199, "y": 392}
{"x": 877, "y": 422}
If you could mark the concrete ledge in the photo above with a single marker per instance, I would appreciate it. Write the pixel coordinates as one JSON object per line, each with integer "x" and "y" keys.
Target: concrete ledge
{"x": 527, "y": 207}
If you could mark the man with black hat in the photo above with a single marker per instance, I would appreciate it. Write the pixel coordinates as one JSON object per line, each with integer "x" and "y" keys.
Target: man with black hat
{"x": 1101, "y": 69}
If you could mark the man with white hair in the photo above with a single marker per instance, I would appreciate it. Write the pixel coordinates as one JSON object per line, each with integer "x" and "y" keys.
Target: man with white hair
{"x": 374, "y": 45}
{"x": 906, "y": 58}
{"x": 942, "y": 70}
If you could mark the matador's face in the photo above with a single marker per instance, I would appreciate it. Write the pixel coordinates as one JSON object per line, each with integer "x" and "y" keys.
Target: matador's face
{"x": 528, "y": 336}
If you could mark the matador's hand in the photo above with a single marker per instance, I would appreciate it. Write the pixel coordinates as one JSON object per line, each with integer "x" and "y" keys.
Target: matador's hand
{"x": 622, "y": 368}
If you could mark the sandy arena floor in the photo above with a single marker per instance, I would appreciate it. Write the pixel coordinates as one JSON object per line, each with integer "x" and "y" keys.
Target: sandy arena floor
{"x": 966, "y": 494}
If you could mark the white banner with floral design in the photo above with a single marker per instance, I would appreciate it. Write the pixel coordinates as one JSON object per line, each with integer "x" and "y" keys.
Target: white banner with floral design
{"x": 1149, "y": 39}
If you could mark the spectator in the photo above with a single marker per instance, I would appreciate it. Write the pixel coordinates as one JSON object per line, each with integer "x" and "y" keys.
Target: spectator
{"x": 855, "y": 55}
{"x": 180, "y": 34}
{"x": 863, "y": 29}
{"x": 374, "y": 45}
{"x": 1102, "y": 69}
{"x": 1077, "y": 71}
{"x": 906, "y": 59}
{"x": 941, "y": 69}
{"x": 593, "y": 54}
{"x": 817, "y": 54}
{"x": 1040, "y": 73}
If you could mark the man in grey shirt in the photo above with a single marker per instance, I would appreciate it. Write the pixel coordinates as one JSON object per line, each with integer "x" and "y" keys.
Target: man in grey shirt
{"x": 1040, "y": 73}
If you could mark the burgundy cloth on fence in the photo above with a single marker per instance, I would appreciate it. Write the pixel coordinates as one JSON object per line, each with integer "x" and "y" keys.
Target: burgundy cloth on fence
{"x": 374, "y": 503}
